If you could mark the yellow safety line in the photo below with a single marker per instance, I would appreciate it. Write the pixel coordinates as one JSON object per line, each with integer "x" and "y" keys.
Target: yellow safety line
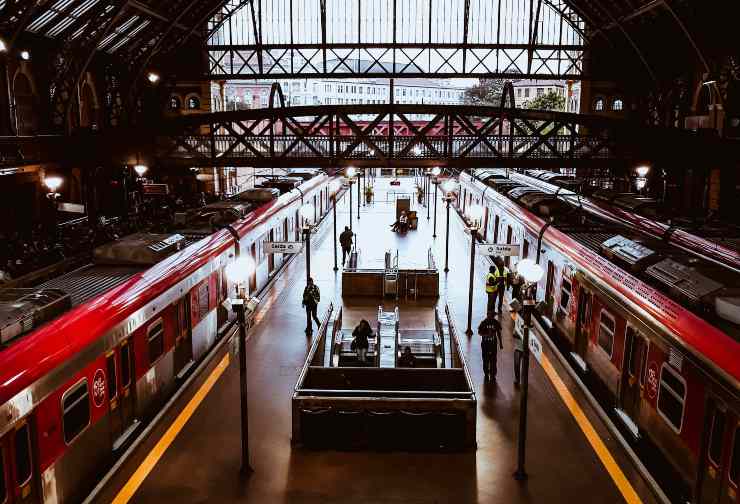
{"x": 625, "y": 487}
{"x": 133, "y": 484}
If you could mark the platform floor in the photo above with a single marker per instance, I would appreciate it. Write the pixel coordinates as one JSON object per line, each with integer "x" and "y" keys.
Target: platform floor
{"x": 202, "y": 463}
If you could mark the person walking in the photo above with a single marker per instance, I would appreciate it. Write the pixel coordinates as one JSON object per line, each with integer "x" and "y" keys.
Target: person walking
{"x": 490, "y": 332}
{"x": 311, "y": 298}
{"x": 345, "y": 240}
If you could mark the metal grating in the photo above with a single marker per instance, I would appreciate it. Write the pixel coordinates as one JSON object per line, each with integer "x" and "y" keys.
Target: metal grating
{"x": 89, "y": 281}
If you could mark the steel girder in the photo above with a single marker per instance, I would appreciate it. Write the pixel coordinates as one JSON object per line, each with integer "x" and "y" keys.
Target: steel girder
{"x": 419, "y": 135}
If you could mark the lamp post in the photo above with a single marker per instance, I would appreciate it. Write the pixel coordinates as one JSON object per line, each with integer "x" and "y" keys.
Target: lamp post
{"x": 532, "y": 273}
{"x": 350, "y": 173}
{"x": 334, "y": 189}
{"x": 641, "y": 180}
{"x": 475, "y": 212}
{"x": 307, "y": 213}
{"x": 435, "y": 172}
{"x": 53, "y": 183}
{"x": 359, "y": 196}
{"x": 238, "y": 272}
{"x": 448, "y": 186}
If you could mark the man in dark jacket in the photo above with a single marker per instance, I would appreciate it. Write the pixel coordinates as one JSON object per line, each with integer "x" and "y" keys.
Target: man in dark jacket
{"x": 490, "y": 332}
{"x": 345, "y": 240}
{"x": 311, "y": 298}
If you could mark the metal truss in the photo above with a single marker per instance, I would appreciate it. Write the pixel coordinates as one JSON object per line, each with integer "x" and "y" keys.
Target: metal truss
{"x": 393, "y": 135}
{"x": 272, "y": 39}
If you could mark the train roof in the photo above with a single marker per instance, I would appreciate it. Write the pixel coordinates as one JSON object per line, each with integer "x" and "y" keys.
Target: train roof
{"x": 674, "y": 287}
{"x": 51, "y": 345}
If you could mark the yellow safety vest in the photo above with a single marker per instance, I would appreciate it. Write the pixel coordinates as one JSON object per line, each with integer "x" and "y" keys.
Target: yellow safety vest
{"x": 496, "y": 276}
{"x": 490, "y": 288}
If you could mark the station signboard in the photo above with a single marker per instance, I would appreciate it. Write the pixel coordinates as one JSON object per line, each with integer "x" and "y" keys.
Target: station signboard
{"x": 497, "y": 249}
{"x": 535, "y": 346}
{"x": 283, "y": 247}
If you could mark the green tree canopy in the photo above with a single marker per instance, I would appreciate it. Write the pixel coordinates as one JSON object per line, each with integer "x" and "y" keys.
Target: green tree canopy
{"x": 486, "y": 92}
{"x": 548, "y": 101}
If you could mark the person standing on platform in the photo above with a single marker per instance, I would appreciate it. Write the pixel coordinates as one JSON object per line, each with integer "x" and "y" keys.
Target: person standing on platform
{"x": 490, "y": 332}
{"x": 501, "y": 277}
{"x": 311, "y": 298}
{"x": 345, "y": 240}
{"x": 491, "y": 289}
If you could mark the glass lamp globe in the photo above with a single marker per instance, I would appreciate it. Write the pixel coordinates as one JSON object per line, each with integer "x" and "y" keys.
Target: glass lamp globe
{"x": 530, "y": 270}
{"x": 239, "y": 271}
{"x": 53, "y": 183}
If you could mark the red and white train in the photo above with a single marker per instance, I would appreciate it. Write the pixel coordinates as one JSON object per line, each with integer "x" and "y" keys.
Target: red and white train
{"x": 75, "y": 385}
{"x": 654, "y": 327}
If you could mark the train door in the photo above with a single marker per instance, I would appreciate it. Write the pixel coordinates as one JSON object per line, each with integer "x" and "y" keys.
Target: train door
{"x": 485, "y": 223}
{"x": 183, "y": 336}
{"x": 17, "y": 477}
{"x": 633, "y": 368}
{"x": 720, "y": 426}
{"x": 222, "y": 292}
{"x": 124, "y": 414}
{"x": 583, "y": 320}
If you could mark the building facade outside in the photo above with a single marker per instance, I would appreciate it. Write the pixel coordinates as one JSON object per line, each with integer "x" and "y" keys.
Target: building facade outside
{"x": 526, "y": 90}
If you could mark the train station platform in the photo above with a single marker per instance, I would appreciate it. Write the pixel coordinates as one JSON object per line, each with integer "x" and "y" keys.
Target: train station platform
{"x": 571, "y": 454}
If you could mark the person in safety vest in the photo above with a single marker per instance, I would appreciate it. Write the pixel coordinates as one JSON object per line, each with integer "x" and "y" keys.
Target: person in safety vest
{"x": 497, "y": 280}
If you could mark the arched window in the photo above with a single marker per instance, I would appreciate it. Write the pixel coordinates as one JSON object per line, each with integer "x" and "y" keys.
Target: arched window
{"x": 175, "y": 103}
{"x": 193, "y": 103}
{"x": 617, "y": 105}
{"x": 599, "y": 104}
{"x": 25, "y": 106}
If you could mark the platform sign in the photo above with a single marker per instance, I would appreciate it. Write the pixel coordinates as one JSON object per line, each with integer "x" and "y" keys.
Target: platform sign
{"x": 283, "y": 247}
{"x": 497, "y": 249}
{"x": 535, "y": 346}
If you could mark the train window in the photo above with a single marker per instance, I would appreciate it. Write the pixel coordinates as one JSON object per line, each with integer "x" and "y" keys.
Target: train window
{"x": 735, "y": 460}
{"x": 565, "y": 294}
{"x": 3, "y": 488}
{"x": 203, "y": 300}
{"x": 606, "y": 332}
{"x": 525, "y": 249}
{"x": 716, "y": 437}
{"x": 22, "y": 455}
{"x": 75, "y": 411}
{"x": 112, "y": 386}
{"x": 671, "y": 397}
{"x": 125, "y": 366}
{"x": 155, "y": 336}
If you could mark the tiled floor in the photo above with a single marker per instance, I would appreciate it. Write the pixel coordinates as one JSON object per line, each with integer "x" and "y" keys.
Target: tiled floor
{"x": 203, "y": 462}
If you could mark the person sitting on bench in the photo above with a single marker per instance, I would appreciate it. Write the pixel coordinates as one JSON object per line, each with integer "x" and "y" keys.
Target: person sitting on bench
{"x": 402, "y": 224}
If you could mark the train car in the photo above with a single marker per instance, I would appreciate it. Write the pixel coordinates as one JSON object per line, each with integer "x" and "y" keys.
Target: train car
{"x": 76, "y": 386}
{"x": 656, "y": 330}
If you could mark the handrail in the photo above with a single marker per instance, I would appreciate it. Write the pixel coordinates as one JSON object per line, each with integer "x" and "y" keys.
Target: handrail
{"x": 312, "y": 351}
{"x": 452, "y": 330}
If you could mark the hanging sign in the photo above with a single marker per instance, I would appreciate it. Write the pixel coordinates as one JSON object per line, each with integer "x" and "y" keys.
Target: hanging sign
{"x": 535, "y": 346}
{"x": 283, "y": 247}
{"x": 497, "y": 249}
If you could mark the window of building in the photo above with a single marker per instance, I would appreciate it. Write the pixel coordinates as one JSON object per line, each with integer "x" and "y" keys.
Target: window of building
{"x": 565, "y": 292}
{"x": 734, "y": 459}
{"x": 606, "y": 332}
{"x": 526, "y": 92}
{"x": 110, "y": 362}
{"x": 75, "y": 411}
{"x": 540, "y": 91}
{"x": 617, "y": 105}
{"x": 23, "y": 466}
{"x": 519, "y": 92}
{"x": 359, "y": 90}
{"x": 193, "y": 103}
{"x": 155, "y": 338}
{"x": 175, "y": 103}
{"x": 671, "y": 397}
{"x": 599, "y": 104}
{"x": 716, "y": 437}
